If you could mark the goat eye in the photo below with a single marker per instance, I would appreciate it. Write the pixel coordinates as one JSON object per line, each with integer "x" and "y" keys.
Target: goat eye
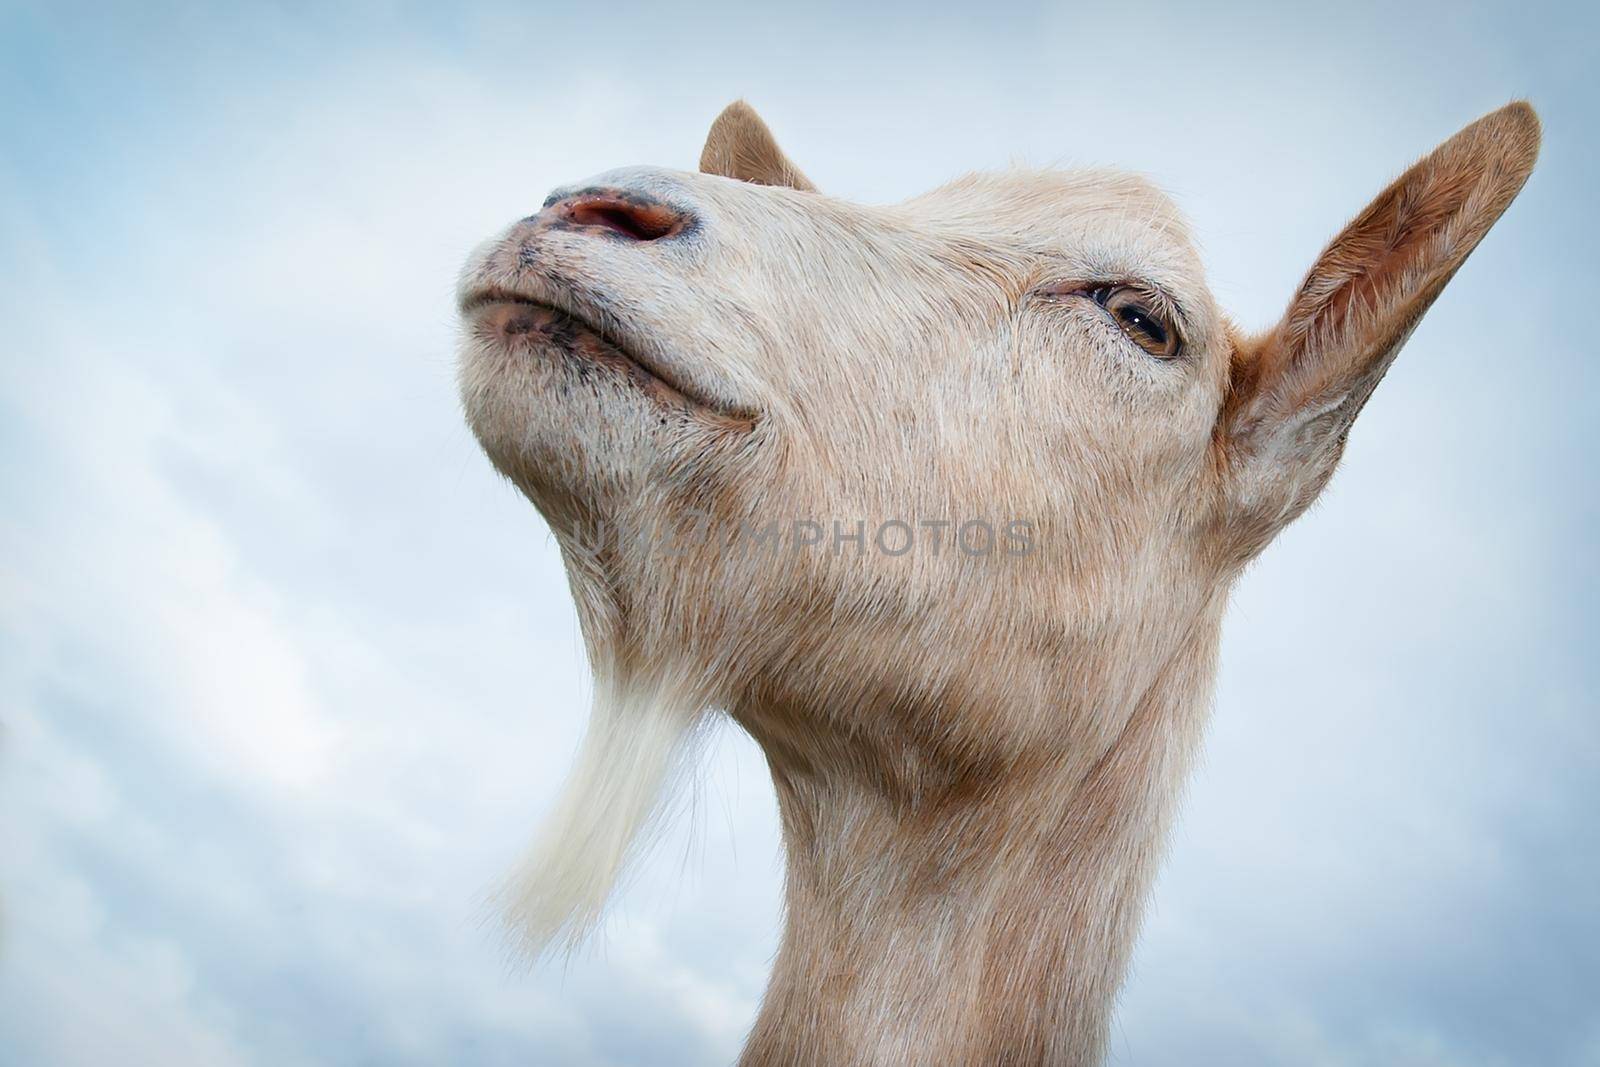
{"x": 1144, "y": 325}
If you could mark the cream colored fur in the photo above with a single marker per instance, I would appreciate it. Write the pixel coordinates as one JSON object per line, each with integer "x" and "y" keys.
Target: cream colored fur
{"x": 641, "y": 737}
{"x": 975, "y": 756}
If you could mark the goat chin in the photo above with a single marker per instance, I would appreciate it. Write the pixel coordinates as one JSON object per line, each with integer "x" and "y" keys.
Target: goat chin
{"x": 645, "y": 731}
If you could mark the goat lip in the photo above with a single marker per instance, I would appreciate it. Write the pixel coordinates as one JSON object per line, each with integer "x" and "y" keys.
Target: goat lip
{"x": 511, "y": 314}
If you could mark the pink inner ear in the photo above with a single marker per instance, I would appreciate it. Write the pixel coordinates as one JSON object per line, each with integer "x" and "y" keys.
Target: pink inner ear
{"x": 1382, "y": 272}
{"x": 1387, "y": 256}
{"x": 1295, "y": 390}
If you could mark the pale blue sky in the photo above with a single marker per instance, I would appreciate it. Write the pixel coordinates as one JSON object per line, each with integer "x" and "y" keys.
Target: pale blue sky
{"x": 287, "y": 675}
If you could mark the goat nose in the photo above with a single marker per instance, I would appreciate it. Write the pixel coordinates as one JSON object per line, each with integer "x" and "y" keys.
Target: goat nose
{"x": 628, "y": 215}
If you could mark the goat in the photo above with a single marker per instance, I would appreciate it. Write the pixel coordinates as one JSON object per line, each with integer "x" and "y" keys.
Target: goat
{"x": 941, "y": 502}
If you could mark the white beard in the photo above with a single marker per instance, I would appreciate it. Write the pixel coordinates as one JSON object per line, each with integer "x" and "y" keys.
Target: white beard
{"x": 644, "y": 734}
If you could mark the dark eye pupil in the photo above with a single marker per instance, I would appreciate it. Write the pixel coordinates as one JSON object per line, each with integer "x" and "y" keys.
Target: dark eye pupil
{"x": 1137, "y": 318}
{"x": 1121, "y": 303}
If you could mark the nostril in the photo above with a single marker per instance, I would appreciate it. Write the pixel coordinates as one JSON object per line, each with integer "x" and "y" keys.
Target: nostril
{"x": 634, "y": 219}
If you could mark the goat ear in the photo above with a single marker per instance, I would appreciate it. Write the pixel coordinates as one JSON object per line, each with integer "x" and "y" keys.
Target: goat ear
{"x": 740, "y": 146}
{"x": 1296, "y": 389}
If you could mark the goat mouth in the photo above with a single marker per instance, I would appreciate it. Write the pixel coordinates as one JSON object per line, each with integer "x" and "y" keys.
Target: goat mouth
{"x": 514, "y": 319}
